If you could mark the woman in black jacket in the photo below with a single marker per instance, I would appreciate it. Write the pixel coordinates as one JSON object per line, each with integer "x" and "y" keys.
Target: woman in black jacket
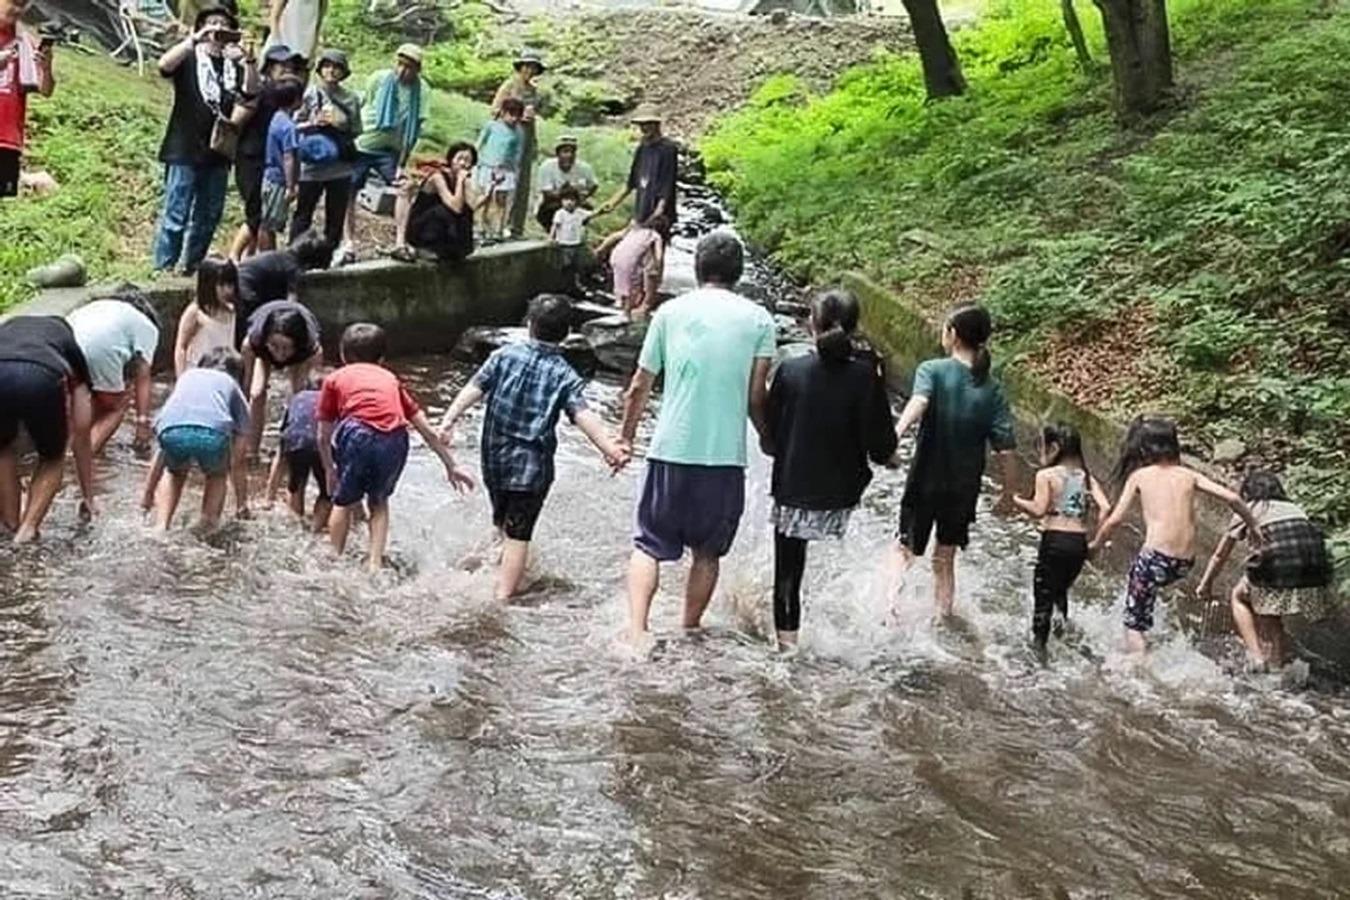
{"x": 829, "y": 415}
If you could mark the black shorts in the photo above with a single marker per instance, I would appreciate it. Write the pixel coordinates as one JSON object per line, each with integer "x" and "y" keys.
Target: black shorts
{"x": 516, "y": 512}
{"x": 9, "y": 172}
{"x": 300, "y": 464}
{"x": 949, "y": 516}
{"x": 248, "y": 178}
{"x": 33, "y": 396}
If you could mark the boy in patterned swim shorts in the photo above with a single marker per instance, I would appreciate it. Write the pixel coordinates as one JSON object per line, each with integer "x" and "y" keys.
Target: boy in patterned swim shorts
{"x": 1150, "y": 465}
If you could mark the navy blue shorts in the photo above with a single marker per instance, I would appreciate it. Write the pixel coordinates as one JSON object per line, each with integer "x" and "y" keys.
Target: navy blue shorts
{"x": 515, "y": 513}
{"x": 33, "y": 396}
{"x": 368, "y": 462}
{"x": 385, "y": 164}
{"x": 698, "y": 507}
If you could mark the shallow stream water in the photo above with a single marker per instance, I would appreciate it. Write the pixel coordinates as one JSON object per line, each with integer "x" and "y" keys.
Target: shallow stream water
{"x": 242, "y": 717}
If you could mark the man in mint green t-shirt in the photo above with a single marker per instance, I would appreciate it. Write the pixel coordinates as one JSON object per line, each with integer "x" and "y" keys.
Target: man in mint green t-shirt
{"x": 714, "y": 348}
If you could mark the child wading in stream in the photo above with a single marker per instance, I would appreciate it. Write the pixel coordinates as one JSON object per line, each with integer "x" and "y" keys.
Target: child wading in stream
{"x": 298, "y": 458}
{"x": 828, "y": 415}
{"x": 204, "y": 422}
{"x": 364, "y": 413}
{"x": 527, "y": 387}
{"x": 1291, "y": 577}
{"x": 1064, "y": 493}
{"x": 1151, "y": 469}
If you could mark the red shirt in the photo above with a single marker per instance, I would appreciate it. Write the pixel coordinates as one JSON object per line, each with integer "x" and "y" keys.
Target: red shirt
{"x": 368, "y": 393}
{"x": 13, "y": 98}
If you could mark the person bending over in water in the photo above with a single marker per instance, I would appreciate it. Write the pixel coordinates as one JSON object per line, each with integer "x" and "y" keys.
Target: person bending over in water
{"x": 298, "y": 457}
{"x": 205, "y": 421}
{"x": 638, "y": 263}
{"x": 1063, "y": 494}
{"x": 364, "y": 413}
{"x": 960, "y": 410}
{"x": 118, "y": 335}
{"x": 828, "y": 415}
{"x": 527, "y": 387}
{"x": 1291, "y": 577}
{"x": 44, "y": 386}
{"x": 1151, "y": 469}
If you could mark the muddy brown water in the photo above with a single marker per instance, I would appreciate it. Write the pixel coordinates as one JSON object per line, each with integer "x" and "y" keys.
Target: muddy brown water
{"x": 241, "y": 717}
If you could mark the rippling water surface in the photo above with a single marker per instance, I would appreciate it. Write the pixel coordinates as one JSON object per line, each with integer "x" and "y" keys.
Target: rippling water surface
{"x": 241, "y": 717}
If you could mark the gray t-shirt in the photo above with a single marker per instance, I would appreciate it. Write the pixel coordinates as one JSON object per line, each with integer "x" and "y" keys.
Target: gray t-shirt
{"x": 206, "y": 398}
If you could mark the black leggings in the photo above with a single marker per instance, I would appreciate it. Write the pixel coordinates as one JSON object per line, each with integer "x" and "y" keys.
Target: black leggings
{"x": 336, "y": 193}
{"x": 789, "y": 564}
{"x": 1058, "y": 564}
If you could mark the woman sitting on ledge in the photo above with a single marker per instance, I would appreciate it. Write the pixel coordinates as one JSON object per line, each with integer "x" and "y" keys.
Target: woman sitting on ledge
{"x": 435, "y": 219}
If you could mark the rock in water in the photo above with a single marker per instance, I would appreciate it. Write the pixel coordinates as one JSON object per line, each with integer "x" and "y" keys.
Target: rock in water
{"x": 477, "y": 344}
{"x": 790, "y": 331}
{"x": 616, "y": 341}
{"x": 66, "y": 271}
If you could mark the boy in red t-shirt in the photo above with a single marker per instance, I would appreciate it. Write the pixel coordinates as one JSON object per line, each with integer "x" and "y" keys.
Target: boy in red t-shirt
{"x": 25, "y": 66}
{"x": 364, "y": 414}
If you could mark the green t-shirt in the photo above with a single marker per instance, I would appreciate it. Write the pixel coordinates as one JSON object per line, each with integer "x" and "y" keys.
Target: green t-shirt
{"x": 706, "y": 342}
{"x": 962, "y": 419}
{"x": 372, "y": 140}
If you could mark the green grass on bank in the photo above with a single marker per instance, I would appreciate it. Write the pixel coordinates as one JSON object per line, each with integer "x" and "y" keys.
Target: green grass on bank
{"x": 99, "y": 135}
{"x": 1224, "y": 223}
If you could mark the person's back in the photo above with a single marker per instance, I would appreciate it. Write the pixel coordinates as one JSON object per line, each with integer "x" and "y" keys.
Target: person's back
{"x": 527, "y": 388}
{"x": 828, "y": 418}
{"x": 112, "y": 333}
{"x": 706, "y": 343}
{"x": 500, "y": 144}
{"x": 367, "y": 393}
{"x": 1167, "y": 498}
{"x": 963, "y": 418}
{"x": 299, "y": 429}
{"x": 205, "y": 398}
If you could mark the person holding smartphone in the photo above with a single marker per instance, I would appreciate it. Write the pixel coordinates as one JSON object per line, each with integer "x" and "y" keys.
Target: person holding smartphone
{"x": 210, "y": 72}
{"x": 25, "y": 67}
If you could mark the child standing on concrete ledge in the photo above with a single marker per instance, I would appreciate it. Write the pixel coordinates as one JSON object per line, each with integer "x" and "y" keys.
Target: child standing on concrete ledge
{"x": 364, "y": 413}
{"x": 527, "y": 386}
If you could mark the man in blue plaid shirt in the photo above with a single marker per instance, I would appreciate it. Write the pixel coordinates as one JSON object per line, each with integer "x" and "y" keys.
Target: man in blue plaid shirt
{"x": 528, "y": 386}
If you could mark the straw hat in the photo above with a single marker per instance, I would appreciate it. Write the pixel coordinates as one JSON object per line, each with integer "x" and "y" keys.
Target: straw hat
{"x": 567, "y": 140}
{"x": 646, "y": 112}
{"x": 411, "y": 52}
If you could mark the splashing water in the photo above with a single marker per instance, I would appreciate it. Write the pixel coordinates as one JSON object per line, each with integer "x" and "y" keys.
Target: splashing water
{"x": 240, "y": 717}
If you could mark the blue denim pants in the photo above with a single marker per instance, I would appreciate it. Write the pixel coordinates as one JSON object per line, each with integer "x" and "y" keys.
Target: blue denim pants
{"x": 194, "y": 200}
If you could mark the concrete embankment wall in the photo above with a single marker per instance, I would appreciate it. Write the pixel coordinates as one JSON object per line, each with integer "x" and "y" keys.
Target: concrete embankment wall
{"x": 907, "y": 338}
{"x": 424, "y": 307}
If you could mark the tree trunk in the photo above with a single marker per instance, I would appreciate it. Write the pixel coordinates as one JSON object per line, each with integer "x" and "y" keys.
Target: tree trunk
{"x": 1075, "y": 29}
{"x": 941, "y": 69}
{"x": 1141, "y": 53}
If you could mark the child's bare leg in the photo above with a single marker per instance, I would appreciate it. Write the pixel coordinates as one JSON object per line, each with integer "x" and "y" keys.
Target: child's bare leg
{"x": 41, "y": 491}
{"x": 1273, "y": 638}
{"x": 213, "y": 500}
{"x": 323, "y": 511}
{"x": 511, "y": 568}
{"x": 338, "y": 528}
{"x": 10, "y": 495}
{"x": 239, "y": 448}
{"x": 108, "y": 414}
{"x": 1245, "y": 622}
{"x": 379, "y": 535}
{"x": 274, "y": 476}
{"x": 944, "y": 580}
{"x": 898, "y": 563}
{"x": 167, "y": 498}
{"x": 1135, "y": 642}
{"x": 295, "y": 501}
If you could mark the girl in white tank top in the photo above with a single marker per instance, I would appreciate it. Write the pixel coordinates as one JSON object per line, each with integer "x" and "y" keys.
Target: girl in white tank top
{"x": 208, "y": 321}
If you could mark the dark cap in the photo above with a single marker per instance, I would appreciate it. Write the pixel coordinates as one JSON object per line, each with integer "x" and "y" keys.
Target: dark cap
{"x": 281, "y": 53}
{"x": 216, "y": 9}
{"x": 336, "y": 58}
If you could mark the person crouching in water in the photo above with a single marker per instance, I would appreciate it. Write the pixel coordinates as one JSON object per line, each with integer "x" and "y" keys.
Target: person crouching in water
{"x": 364, "y": 412}
{"x": 828, "y": 416}
{"x": 205, "y": 422}
{"x": 527, "y": 387}
{"x": 298, "y": 458}
{"x": 1064, "y": 493}
{"x": 1291, "y": 577}
{"x": 1151, "y": 470}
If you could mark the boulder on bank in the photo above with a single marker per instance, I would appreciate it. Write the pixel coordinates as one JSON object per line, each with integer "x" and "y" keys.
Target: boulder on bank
{"x": 477, "y": 344}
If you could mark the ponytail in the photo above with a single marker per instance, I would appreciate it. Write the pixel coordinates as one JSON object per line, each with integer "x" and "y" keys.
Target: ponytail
{"x": 834, "y": 318}
{"x": 972, "y": 326}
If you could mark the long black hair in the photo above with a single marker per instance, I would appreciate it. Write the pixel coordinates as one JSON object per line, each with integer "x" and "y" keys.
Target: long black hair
{"x": 834, "y": 316}
{"x": 1149, "y": 440}
{"x": 213, "y": 272}
{"x": 1068, "y": 445}
{"x": 289, "y": 323}
{"x": 973, "y": 327}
